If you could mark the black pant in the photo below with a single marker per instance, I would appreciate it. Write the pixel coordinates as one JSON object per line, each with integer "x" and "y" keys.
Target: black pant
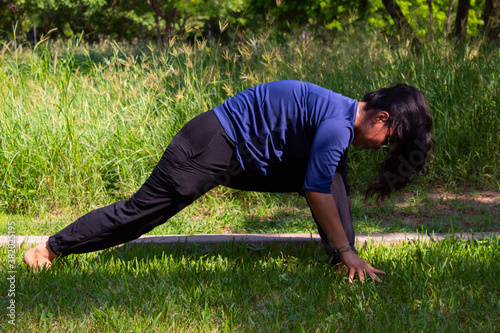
{"x": 200, "y": 157}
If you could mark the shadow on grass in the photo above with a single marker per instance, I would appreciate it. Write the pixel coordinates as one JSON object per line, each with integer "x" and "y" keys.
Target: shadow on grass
{"x": 142, "y": 282}
{"x": 406, "y": 212}
{"x": 279, "y": 222}
{"x": 237, "y": 287}
{"x": 433, "y": 211}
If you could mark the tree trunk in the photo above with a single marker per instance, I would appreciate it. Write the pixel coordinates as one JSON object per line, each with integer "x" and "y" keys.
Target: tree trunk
{"x": 448, "y": 18}
{"x": 431, "y": 21}
{"x": 156, "y": 9}
{"x": 398, "y": 17}
{"x": 158, "y": 31}
{"x": 488, "y": 9}
{"x": 461, "y": 20}
{"x": 491, "y": 18}
{"x": 169, "y": 19}
{"x": 17, "y": 14}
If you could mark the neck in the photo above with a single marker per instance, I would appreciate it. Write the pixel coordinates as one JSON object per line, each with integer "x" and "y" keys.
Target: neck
{"x": 360, "y": 112}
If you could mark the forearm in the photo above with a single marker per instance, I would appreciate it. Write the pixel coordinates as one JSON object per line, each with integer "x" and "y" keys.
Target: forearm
{"x": 325, "y": 210}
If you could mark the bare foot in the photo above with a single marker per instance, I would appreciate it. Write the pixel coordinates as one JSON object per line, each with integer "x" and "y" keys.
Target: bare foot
{"x": 39, "y": 256}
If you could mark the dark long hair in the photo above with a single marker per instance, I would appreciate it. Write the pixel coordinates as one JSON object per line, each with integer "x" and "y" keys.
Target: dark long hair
{"x": 411, "y": 141}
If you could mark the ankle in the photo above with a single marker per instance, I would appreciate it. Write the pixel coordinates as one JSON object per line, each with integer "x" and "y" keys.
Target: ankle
{"x": 44, "y": 251}
{"x": 51, "y": 254}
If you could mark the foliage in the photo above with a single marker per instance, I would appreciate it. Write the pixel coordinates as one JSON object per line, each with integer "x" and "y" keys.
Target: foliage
{"x": 156, "y": 19}
{"x": 121, "y": 19}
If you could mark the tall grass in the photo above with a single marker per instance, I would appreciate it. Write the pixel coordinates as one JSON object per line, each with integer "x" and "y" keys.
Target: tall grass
{"x": 82, "y": 126}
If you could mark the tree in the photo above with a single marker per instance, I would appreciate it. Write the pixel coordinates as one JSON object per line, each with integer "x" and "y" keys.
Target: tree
{"x": 491, "y": 18}
{"x": 461, "y": 20}
{"x": 167, "y": 12}
{"x": 448, "y": 18}
{"x": 431, "y": 21}
{"x": 401, "y": 23}
{"x": 11, "y": 14}
{"x": 398, "y": 17}
{"x": 158, "y": 19}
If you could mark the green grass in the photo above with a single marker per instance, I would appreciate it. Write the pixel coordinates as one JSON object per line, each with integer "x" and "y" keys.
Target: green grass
{"x": 227, "y": 211}
{"x": 82, "y": 126}
{"x": 449, "y": 286}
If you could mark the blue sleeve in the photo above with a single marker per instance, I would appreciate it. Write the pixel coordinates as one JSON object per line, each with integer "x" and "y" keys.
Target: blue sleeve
{"x": 330, "y": 143}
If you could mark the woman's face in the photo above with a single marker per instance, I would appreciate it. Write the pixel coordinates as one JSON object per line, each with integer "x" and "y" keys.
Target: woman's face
{"x": 373, "y": 132}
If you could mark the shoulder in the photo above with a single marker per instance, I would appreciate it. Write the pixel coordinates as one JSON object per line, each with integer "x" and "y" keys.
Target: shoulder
{"x": 336, "y": 132}
{"x": 284, "y": 84}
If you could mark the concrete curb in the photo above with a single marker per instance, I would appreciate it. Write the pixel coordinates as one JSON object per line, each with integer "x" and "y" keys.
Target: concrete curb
{"x": 264, "y": 239}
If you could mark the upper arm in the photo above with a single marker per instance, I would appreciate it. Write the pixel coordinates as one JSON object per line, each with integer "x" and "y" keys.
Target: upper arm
{"x": 328, "y": 147}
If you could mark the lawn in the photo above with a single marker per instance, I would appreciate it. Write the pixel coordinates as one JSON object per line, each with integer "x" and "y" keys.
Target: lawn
{"x": 447, "y": 286}
{"x": 226, "y": 211}
{"x": 82, "y": 126}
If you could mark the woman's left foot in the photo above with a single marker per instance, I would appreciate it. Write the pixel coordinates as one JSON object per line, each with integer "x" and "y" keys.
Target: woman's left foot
{"x": 39, "y": 256}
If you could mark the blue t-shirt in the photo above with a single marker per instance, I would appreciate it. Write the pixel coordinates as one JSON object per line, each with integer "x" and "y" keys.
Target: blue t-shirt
{"x": 280, "y": 122}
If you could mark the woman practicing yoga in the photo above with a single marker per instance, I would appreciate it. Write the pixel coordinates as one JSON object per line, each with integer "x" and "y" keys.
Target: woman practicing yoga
{"x": 284, "y": 136}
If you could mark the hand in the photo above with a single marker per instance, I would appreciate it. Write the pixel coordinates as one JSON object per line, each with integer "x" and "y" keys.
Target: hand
{"x": 357, "y": 265}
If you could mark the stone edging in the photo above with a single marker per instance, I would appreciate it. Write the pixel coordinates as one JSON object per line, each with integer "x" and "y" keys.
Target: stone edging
{"x": 298, "y": 239}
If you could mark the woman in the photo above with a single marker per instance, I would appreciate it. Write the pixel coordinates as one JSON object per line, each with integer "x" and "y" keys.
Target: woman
{"x": 285, "y": 136}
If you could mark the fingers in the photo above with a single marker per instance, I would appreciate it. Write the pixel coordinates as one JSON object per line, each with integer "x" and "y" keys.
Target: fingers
{"x": 353, "y": 272}
{"x": 378, "y": 271}
{"x": 341, "y": 268}
{"x": 357, "y": 265}
{"x": 373, "y": 275}
{"x": 361, "y": 274}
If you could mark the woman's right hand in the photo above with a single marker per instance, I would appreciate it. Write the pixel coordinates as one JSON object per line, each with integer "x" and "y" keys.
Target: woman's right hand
{"x": 357, "y": 265}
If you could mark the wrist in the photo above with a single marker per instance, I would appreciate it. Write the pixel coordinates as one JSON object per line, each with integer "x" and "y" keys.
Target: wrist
{"x": 345, "y": 251}
{"x": 342, "y": 247}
